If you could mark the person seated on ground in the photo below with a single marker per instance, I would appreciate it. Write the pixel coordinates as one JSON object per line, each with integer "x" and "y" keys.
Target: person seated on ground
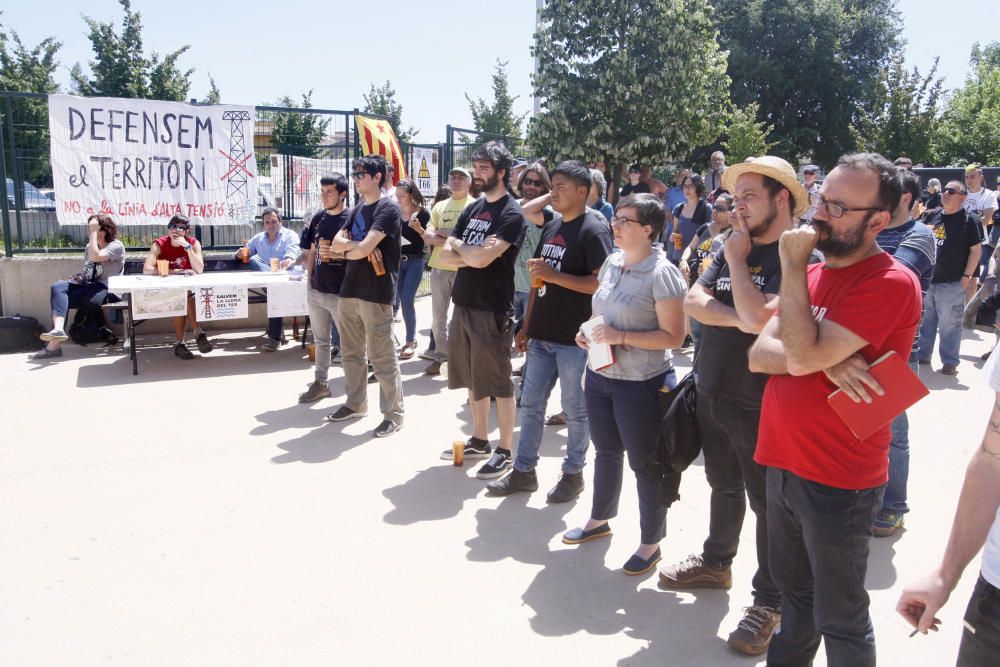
{"x": 274, "y": 243}
{"x": 104, "y": 256}
{"x": 183, "y": 252}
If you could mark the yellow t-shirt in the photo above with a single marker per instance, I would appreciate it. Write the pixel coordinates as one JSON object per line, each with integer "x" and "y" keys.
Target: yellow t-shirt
{"x": 444, "y": 215}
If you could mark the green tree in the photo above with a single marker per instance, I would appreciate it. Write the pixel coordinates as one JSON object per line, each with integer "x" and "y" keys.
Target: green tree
{"x": 813, "y": 67}
{"x": 298, "y": 133}
{"x": 214, "y": 96}
{"x": 499, "y": 117}
{"x": 902, "y": 118}
{"x": 382, "y": 101}
{"x": 120, "y": 67}
{"x": 25, "y": 69}
{"x": 970, "y": 125}
{"x": 746, "y": 136}
{"x": 627, "y": 81}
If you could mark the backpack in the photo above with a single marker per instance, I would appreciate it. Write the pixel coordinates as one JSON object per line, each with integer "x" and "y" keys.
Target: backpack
{"x": 19, "y": 333}
{"x": 89, "y": 327}
{"x": 678, "y": 443}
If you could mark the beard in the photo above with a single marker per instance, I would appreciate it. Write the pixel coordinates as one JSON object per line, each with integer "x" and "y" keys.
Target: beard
{"x": 486, "y": 186}
{"x": 765, "y": 223}
{"x": 841, "y": 245}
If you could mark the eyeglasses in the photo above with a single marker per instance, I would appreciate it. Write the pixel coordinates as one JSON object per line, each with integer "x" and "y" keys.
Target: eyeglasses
{"x": 533, "y": 181}
{"x": 622, "y": 220}
{"x": 809, "y": 173}
{"x": 833, "y": 208}
{"x": 687, "y": 185}
{"x": 724, "y": 208}
{"x": 953, "y": 191}
{"x": 177, "y": 225}
{"x": 359, "y": 174}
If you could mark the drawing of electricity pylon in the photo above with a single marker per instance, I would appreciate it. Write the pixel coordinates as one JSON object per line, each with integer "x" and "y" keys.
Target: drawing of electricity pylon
{"x": 236, "y": 177}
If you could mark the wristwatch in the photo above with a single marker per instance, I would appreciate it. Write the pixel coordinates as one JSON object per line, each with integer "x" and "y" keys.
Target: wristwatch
{"x": 187, "y": 247}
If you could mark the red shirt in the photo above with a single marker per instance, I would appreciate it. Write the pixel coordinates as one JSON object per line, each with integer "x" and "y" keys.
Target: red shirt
{"x": 177, "y": 257}
{"x": 879, "y": 300}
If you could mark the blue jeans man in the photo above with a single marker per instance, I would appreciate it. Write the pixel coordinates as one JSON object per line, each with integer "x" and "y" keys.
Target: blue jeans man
{"x": 944, "y": 304}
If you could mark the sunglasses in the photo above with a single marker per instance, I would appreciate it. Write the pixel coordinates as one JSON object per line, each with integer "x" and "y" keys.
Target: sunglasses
{"x": 724, "y": 208}
{"x": 953, "y": 191}
{"x": 533, "y": 181}
{"x": 359, "y": 174}
{"x": 176, "y": 225}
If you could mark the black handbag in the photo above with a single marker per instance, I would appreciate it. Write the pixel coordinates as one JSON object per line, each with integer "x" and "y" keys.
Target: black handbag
{"x": 678, "y": 444}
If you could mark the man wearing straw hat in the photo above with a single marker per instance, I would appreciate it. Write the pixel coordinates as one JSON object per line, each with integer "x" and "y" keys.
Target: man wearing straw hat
{"x": 734, "y": 298}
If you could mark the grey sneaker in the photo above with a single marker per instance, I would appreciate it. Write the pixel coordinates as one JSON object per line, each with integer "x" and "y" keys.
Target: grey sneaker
{"x": 316, "y": 391}
{"x": 335, "y": 356}
{"x": 56, "y": 335}
{"x": 270, "y": 345}
{"x": 46, "y": 353}
{"x": 386, "y": 428}
{"x": 693, "y": 572}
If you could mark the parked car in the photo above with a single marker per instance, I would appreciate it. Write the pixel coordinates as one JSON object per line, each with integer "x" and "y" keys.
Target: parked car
{"x": 30, "y": 196}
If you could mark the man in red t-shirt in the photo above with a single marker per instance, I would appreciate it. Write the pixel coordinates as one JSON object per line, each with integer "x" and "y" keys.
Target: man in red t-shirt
{"x": 183, "y": 252}
{"x": 824, "y": 486}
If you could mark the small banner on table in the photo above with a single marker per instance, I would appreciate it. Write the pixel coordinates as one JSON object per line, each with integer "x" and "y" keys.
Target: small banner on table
{"x": 223, "y": 302}
{"x": 148, "y": 304}
{"x": 287, "y": 300}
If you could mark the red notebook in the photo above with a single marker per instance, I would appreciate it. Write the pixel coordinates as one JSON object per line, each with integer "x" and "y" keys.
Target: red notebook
{"x": 902, "y": 389}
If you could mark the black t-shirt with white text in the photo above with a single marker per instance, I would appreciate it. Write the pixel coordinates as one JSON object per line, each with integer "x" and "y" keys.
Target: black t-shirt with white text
{"x": 577, "y": 248}
{"x": 327, "y": 276}
{"x": 721, "y": 366}
{"x": 490, "y": 288}
{"x": 955, "y": 234}
{"x": 360, "y": 281}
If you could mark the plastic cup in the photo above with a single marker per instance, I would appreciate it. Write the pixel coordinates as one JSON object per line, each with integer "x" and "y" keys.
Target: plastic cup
{"x": 536, "y": 282}
{"x": 163, "y": 267}
{"x": 245, "y": 254}
{"x": 458, "y": 452}
{"x": 274, "y": 264}
{"x": 678, "y": 240}
{"x": 324, "y": 244}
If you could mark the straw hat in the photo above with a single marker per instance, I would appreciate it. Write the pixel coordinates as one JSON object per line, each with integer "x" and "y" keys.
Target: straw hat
{"x": 776, "y": 168}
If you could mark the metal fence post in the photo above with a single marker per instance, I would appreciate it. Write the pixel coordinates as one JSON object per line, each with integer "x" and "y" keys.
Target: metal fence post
{"x": 18, "y": 187}
{"x": 7, "y": 245}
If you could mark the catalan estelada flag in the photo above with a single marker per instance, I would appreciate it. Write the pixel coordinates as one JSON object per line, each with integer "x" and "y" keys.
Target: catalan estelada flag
{"x": 377, "y": 138}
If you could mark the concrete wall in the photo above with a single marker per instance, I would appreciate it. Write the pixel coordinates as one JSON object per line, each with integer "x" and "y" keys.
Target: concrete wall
{"x": 25, "y": 282}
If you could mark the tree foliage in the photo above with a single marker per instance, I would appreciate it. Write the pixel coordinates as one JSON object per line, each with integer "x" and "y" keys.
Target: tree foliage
{"x": 214, "y": 95}
{"x": 296, "y": 133}
{"x": 745, "y": 135}
{"x": 381, "y": 100}
{"x": 902, "y": 117}
{"x": 499, "y": 117}
{"x": 970, "y": 125}
{"x": 121, "y": 68}
{"x": 813, "y": 67}
{"x": 27, "y": 69}
{"x": 627, "y": 80}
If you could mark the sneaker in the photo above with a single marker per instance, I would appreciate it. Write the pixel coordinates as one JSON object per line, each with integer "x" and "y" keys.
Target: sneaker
{"x": 269, "y": 345}
{"x": 335, "y": 355}
{"x": 558, "y": 419}
{"x": 472, "y": 450}
{"x": 517, "y": 372}
{"x": 202, "y": 342}
{"x": 343, "y": 413}
{"x": 924, "y": 362}
{"x": 498, "y": 464}
{"x": 949, "y": 369}
{"x": 372, "y": 379}
{"x": 692, "y": 572}
{"x": 55, "y": 334}
{"x": 569, "y": 486}
{"x": 182, "y": 351}
{"x": 386, "y": 428}
{"x": 687, "y": 342}
{"x": 513, "y": 482}
{"x": 316, "y": 391}
{"x": 753, "y": 635}
{"x": 887, "y": 523}
{"x": 429, "y": 354}
{"x": 434, "y": 368}
{"x": 46, "y": 353}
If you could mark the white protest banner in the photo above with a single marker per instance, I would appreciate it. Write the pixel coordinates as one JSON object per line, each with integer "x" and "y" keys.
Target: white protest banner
{"x": 424, "y": 167}
{"x": 223, "y": 302}
{"x": 287, "y": 300}
{"x": 143, "y": 161}
{"x": 148, "y": 304}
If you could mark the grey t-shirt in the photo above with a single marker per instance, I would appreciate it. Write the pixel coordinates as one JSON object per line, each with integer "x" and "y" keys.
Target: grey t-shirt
{"x": 627, "y": 297}
{"x": 98, "y": 272}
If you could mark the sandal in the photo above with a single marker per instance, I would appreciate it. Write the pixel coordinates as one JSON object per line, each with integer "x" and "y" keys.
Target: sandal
{"x": 408, "y": 350}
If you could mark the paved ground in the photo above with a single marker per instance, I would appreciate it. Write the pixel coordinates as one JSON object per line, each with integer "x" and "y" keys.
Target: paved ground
{"x": 196, "y": 514}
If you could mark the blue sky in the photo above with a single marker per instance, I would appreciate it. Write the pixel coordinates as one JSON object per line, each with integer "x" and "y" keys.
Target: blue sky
{"x": 432, "y": 51}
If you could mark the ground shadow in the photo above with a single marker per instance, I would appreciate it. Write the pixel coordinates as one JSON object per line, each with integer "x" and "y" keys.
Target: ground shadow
{"x": 514, "y": 530}
{"x": 321, "y": 445}
{"x": 433, "y": 494}
{"x": 881, "y": 569}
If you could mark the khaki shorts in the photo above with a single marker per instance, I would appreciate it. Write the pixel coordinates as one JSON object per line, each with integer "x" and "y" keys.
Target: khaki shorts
{"x": 479, "y": 345}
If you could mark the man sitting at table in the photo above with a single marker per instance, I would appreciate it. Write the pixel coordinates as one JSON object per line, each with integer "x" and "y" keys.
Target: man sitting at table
{"x": 275, "y": 242}
{"x": 184, "y": 254}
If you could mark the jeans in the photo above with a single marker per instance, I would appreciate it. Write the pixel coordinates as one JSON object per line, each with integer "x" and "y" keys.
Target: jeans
{"x": 818, "y": 538}
{"x": 944, "y": 304}
{"x": 899, "y": 463}
{"x": 982, "y": 647}
{"x": 411, "y": 270}
{"x": 367, "y": 326}
{"x": 547, "y": 361}
{"x": 728, "y": 434}
{"x": 64, "y": 295}
{"x": 442, "y": 282}
{"x": 322, "y": 314}
{"x": 624, "y": 418}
